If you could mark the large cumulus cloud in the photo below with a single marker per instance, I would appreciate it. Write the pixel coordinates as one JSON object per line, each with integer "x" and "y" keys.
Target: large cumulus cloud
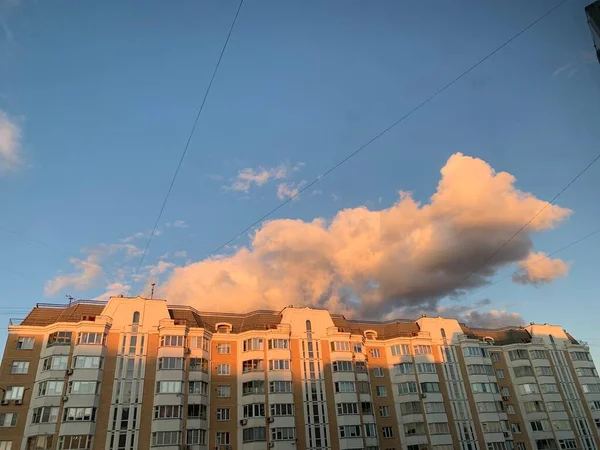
{"x": 369, "y": 263}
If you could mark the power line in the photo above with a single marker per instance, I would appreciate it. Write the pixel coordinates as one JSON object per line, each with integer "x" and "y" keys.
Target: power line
{"x": 187, "y": 144}
{"x": 383, "y": 132}
{"x": 448, "y": 292}
{"x": 589, "y": 235}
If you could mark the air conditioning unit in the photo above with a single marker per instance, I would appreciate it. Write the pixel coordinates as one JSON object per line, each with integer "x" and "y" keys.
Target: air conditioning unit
{"x": 65, "y": 399}
{"x": 243, "y": 422}
{"x": 4, "y": 402}
{"x": 505, "y": 397}
{"x": 188, "y": 350}
{"x": 271, "y": 444}
{"x": 271, "y": 419}
{"x": 506, "y": 434}
{"x": 423, "y": 395}
{"x": 69, "y": 372}
{"x": 18, "y": 402}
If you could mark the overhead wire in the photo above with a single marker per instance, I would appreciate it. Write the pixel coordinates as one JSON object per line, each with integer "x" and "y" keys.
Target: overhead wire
{"x": 189, "y": 139}
{"x": 383, "y": 132}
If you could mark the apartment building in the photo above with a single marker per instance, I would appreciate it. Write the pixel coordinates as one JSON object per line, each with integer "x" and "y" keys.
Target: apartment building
{"x": 136, "y": 373}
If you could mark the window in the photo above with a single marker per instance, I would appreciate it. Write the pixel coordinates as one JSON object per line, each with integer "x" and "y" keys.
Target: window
{"x": 529, "y": 388}
{"x": 344, "y": 386}
{"x": 546, "y": 444}
{"x": 545, "y": 371}
{"x": 254, "y": 434}
{"x": 518, "y": 354}
{"x": 198, "y": 387}
{"x": 495, "y": 356}
{"x": 41, "y": 442}
{"x": 366, "y": 407}
{"x": 170, "y": 341}
{"x": 381, "y": 391}
{"x": 279, "y": 364}
{"x": 586, "y": 372}
{"x": 500, "y": 374}
{"x": 283, "y": 434}
{"x": 595, "y": 405}
{"x": 485, "y": 387}
{"x": 510, "y": 409}
{"x": 523, "y": 371}
{"x": 370, "y": 430}
{"x": 349, "y": 431}
{"x": 535, "y": 406}
{"x": 387, "y": 432}
{"x": 475, "y": 351}
{"x": 404, "y": 368}
{"x": 375, "y": 353}
{"x": 280, "y": 386}
{"x": 223, "y": 414}
{"x": 342, "y": 366}
{"x": 222, "y": 438}
{"x": 308, "y": 326}
{"x": 434, "y": 407}
{"x": 198, "y": 365}
{"x": 422, "y": 349}
{"x": 58, "y": 362}
{"x": 282, "y": 409}
{"x": 170, "y": 363}
{"x": 561, "y": 425}
{"x": 363, "y": 387}
{"x": 490, "y": 407}
{"x": 76, "y": 442}
{"x": 19, "y": 367}
{"x": 223, "y": 349}
{"x": 90, "y": 338}
{"x": 87, "y": 414}
{"x": 196, "y": 410}
{"x": 282, "y": 344}
{"x": 253, "y": 344}
{"x": 201, "y": 342}
{"x": 347, "y": 408}
{"x": 378, "y": 372}
{"x": 384, "y": 411}
{"x": 567, "y": 444}
{"x": 50, "y": 388}
{"x": 223, "y": 369}
{"x": 340, "y": 346}
{"x": 540, "y": 425}
{"x": 401, "y": 349}
{"x": 168, "y": 412}
{"x": 414, "y": 429}
{"x": 8, "y": 419}
{"x": 253, "y": 365}
{"x": 254, "y": 410}
{"x": 494, "y": 427}
{"x": 515, "y": 428}
{"x": 549, "y": 388}
{"x": 439, "y": 428}
{"x": 480, "y": 369}
{"x": 520, "y": 445}
{"x": 426, "y": 368}
{"x": 136, "y": 318}
{"x": 166, "y": 438}
{"x": 87, "y": 362}
{"x": 195, "y": 436}
{"x": 496, "y": 446}
{"x": 580, "y": 356}
{"x": 588, "y": 388}
{"x": 253, "y": 387}
{"x": 169, "y": 387}
{"x": 430, "y": 387}
{"x": 25, "y": 343}
{"x": 59, "y": 338}
{"x": 555, "y": 406}
{"x": 360, "y": 367}
{"x": 45, "y": 414}
{"x": 357, "y": 347}
{"x": 537, "y": 354}
{"x": 83, "y": 387}
{"x": 224, "y": 391}
{"x": 407, "y": 388}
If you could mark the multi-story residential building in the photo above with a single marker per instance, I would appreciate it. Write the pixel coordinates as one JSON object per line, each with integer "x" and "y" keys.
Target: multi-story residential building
{"x": 592, "y": 12}
{"x": 137, "y": 373}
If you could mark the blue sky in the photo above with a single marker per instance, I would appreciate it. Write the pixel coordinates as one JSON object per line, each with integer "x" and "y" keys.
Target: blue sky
{"x": 101, "y": 97}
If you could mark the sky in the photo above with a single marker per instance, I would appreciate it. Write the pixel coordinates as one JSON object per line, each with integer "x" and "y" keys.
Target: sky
{"x": 97, "y": 101}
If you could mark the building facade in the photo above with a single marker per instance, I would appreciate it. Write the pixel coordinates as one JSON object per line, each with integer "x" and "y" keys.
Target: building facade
{"x": 138, "y": 373}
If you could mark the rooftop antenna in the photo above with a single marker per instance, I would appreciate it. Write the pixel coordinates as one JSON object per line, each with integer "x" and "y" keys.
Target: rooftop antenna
{"x": 152, "y": 291}
{"x": 70, "y": 297}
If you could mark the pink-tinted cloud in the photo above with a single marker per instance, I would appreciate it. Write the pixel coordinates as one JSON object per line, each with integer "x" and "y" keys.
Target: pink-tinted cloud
{"x": 372, "y": 262}
{"x": 538, "y": 269}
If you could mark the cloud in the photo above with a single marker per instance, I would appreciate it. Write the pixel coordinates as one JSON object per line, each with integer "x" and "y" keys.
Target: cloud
{"x": 249, "y": 177}
{"x": 180, "y": 254}
{"x": 493, "y": 319}
{"x": 136, "y": 236}
{"x": 538, "y": 269}
{"x": 371, "y": 262}
{"x": 10, "y": 144}
{"x": 563, "y": 68}
{"x": 114, "y": 290}
{"x": 288, "y": 190}
{"x": 177, "y": 224}
{"x": 88, "y": 273}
